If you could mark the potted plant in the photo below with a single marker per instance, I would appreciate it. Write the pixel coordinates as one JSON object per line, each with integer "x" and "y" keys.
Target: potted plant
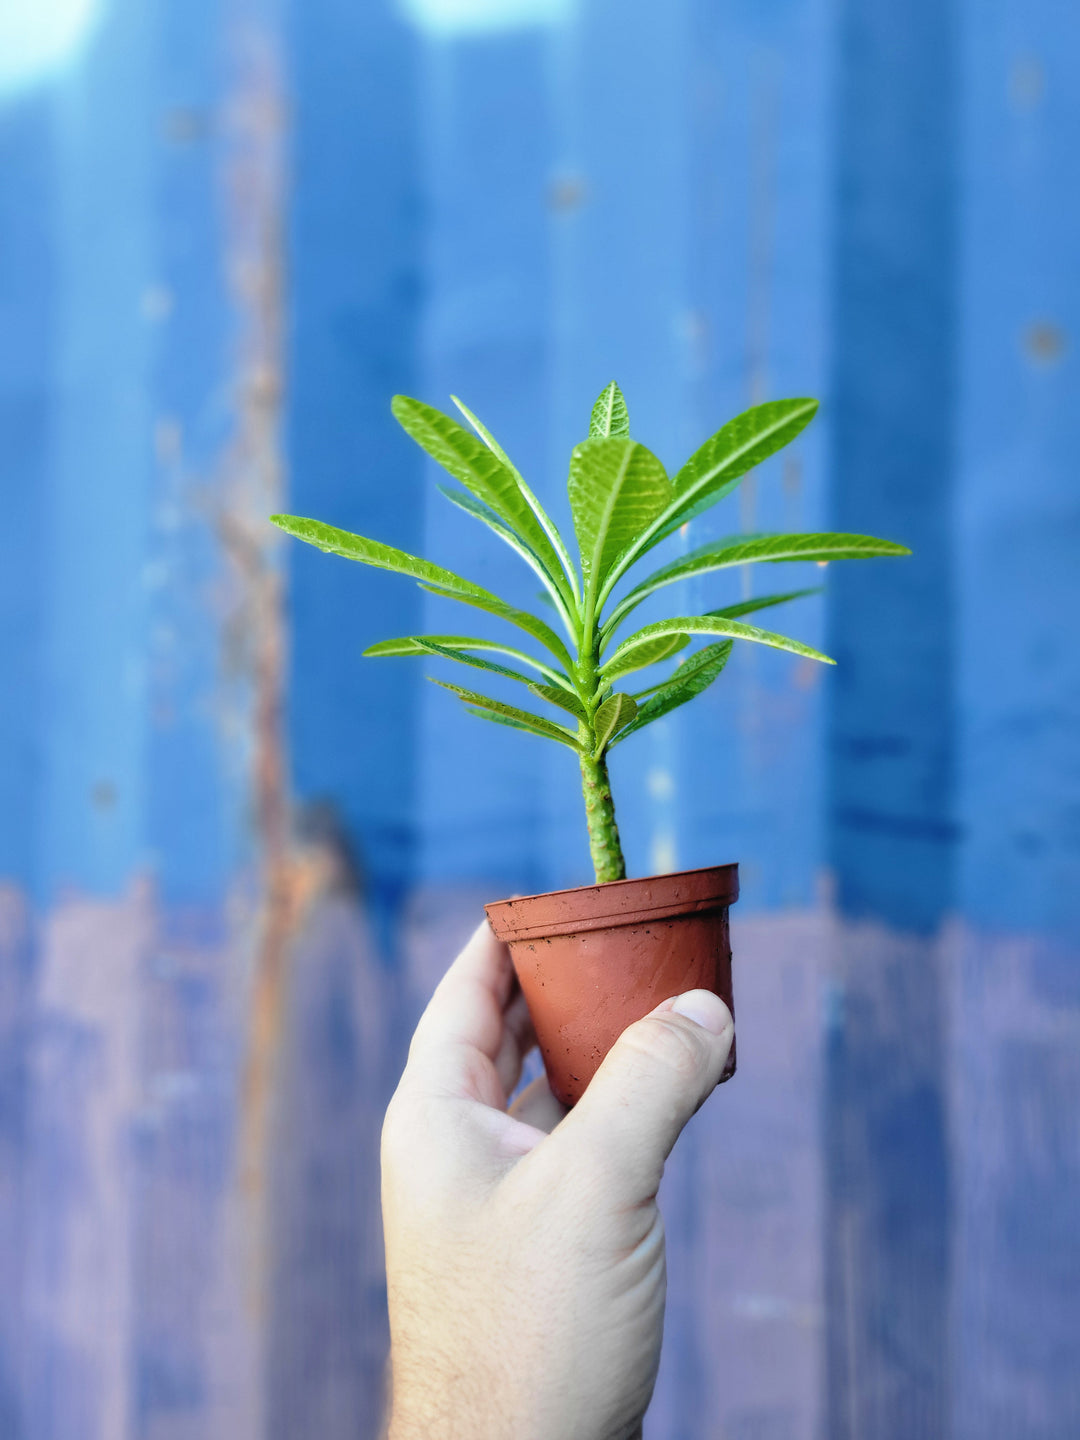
{"x": 592, "y": 960}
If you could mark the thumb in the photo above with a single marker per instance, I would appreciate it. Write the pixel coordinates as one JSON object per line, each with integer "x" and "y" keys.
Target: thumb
{"x": 653, "y": 1079}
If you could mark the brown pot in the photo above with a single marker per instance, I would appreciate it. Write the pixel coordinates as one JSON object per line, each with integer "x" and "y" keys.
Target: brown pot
{"x": 593, "y": 960}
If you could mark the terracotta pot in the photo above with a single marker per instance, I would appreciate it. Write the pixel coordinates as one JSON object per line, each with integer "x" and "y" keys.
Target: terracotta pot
{"x": 593, "y": 960}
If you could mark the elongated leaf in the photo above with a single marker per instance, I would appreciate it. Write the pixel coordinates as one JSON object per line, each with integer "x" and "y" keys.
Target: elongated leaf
{"x": 739, "y": 550}
{"x": 648, "y": 654}
{"x": 536, "y": 723}
{"x": 744, "y": 442}
{"x": 740, "y": 445}
{"x": 431, "y": 577}
{"x": 760, "y": 602}
{"x": 531, "y": 624}
{"x": 716, "y": 625}
{"x": 420, "y": 645}
{"x": 609, "y": 414}
{"x": 556, "y": 695}
{"x": 549, "y": 526}
{"x": 616, "y": 488}
{"x": 684, "y": 669}
{"x": 447, "y": 652}
{"x": 506, "y": 720}
{"x": 372, "y": 552}
{"x": 716, "y": 468}
{"x": 689, "y": 680}
{"x": 616, "y": 711}
{"x": 554, "y": 590}
{"x": 480, "y": 470}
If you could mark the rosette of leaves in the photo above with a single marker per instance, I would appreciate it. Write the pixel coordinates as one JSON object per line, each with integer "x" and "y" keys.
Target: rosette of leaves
{"x": 623, "y": 504}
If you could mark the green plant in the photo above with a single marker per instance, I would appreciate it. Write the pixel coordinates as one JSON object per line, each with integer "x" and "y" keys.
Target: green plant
{"x": 623, "y": 504}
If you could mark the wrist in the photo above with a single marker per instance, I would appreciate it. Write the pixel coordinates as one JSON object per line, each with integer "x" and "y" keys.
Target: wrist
{"x": 446, "y": 1409}
{"x": 425, "y": 1423}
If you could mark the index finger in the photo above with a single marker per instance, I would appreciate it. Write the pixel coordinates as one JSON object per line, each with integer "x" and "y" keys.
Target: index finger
{"x": 464, "y": 1018}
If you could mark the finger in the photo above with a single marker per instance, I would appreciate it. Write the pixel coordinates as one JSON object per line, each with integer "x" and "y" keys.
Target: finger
{"x": 517, "y": 1040}
{"x": 537, "y": 1106}
{"x": 652, "y": 1080}
{"x": 466, "y": 1008}
{"x": 461, "y": 1034}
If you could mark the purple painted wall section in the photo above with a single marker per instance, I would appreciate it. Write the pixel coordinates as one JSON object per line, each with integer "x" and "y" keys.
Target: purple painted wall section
{"x": 1015, "y": 1074}
{"x": 235, "y": 858}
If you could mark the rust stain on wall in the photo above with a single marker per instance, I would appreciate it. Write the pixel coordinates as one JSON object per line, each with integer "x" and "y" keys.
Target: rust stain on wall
{"x": 251, "y": 486}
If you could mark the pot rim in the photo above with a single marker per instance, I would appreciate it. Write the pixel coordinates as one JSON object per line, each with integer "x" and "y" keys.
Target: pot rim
{"x": 615, "y": 903}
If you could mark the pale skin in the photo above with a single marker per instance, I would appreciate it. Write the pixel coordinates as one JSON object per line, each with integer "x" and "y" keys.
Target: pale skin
{"x": 524, "y": 1247}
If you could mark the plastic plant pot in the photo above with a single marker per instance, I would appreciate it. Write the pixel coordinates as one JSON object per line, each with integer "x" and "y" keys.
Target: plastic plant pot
{"x": 594, "y": 959}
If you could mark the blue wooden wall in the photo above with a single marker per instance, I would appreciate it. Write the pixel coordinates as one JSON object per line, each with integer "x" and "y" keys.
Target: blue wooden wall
{"x": 235, "y": 857}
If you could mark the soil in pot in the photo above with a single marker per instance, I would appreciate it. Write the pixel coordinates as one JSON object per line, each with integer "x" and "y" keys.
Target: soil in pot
{"x": 593, "y": 960}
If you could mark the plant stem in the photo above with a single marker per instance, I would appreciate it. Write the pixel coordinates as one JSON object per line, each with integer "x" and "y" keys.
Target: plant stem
{"x": 607, "y": 856}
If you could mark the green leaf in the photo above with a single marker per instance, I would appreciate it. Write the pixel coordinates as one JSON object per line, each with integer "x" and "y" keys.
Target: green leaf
{"x": 716, "y": 468}
{"x": 716, "y": 625}
{"x": 504, "y": 720}
{"x": 649, "y": 654}
{"x": 685, "y": 668}
{"x": 480, "y": 470}
{"x": 616, "y": 488}
{"x": 557, "y": 695}
{"x": 412, "y": 645}
{"x": 740, "y": 550}
{"x": 689, "y": 680}
{"x": 531, "y": 624}
{"x": 525, "y": 718}
{"x": 761, "y": 602}
{"x": 554, "y": 590}
{"x": 463, "y": 658}
{"x": 431, "y": 577}
{"x": 549, "y": 526}
{"x": 616, "y": 711}
{"x": 609, "y": 414}
{"x": 740, "y": 445}
{"x": 371, "y": 552}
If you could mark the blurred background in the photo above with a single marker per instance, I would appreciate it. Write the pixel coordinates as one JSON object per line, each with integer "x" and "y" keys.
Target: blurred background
{"x": 235, "y": 857}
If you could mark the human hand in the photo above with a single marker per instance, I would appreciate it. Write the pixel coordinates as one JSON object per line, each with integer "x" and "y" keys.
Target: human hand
{"x": 524, "y": 1249}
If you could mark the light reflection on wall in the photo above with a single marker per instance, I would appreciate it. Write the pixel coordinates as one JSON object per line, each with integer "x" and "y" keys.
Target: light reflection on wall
{"x": 40, "y": 37}
{"x": 458, "y": 17}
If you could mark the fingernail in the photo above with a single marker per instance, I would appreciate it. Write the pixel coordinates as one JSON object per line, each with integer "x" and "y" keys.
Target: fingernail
{"x": 705, "y": 1009}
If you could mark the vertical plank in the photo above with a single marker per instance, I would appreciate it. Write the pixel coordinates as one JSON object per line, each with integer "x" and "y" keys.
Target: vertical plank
{"x": 486, "y": 338}
{"x": 1016, "y": 958}
{"x": 892, "y": 831}
{"x": 356, "y": 288}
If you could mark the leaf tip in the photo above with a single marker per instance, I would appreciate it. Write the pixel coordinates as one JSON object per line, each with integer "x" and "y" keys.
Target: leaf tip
{"x": 609, "y": 414}
{"x": 290, "y": 524}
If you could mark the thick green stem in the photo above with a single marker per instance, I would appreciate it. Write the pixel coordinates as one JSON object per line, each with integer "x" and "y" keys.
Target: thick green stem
{"x": 607, "y": 856}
